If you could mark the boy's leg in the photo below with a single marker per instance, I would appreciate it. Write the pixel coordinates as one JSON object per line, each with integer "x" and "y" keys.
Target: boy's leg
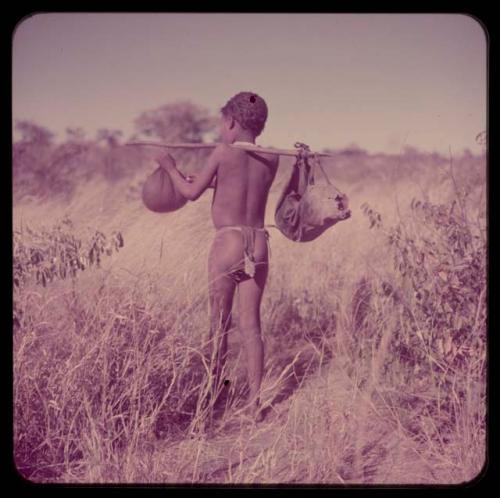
{"x": 221, "y": 291}
{"x": 250, "y": 295}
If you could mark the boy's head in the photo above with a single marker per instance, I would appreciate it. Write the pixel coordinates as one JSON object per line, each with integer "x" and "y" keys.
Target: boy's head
{"x": 248, "y": 110}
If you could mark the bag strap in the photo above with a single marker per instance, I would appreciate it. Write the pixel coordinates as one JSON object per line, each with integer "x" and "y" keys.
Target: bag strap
{"x": 317, "y": 163}
{"x": 304, "y": 153}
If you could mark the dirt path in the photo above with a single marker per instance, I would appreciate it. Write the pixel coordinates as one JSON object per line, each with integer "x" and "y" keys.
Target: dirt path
{"x": 361, "y": 446}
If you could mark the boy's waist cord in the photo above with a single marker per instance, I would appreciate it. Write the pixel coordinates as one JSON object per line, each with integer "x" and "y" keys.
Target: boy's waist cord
{"x": 268, "y": 236}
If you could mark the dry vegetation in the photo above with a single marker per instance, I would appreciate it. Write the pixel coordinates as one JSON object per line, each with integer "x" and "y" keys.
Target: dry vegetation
{"x": 375, "y": 333}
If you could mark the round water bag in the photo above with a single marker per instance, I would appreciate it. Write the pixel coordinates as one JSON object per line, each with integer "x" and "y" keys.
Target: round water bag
{"x": 159, "y": 193}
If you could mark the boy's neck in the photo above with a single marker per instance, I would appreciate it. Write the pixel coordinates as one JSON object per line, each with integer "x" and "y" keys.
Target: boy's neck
{"x": 245, "y": 137}
{"x": 244, "y": 142}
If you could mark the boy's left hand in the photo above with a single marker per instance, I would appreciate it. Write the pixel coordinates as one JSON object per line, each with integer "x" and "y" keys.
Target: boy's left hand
{"x": 167, "y": 161}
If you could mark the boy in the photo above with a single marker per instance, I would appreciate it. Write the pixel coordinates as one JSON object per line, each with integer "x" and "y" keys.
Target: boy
{"x": 239, "y": 252}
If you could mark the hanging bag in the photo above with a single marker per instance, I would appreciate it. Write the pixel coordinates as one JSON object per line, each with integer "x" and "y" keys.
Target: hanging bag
{"x": 306, "y": 208}
{"x": 159, "y": 193}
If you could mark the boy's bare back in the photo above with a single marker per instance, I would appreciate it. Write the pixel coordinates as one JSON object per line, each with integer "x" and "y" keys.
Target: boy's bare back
{"x": 242, "y": 187}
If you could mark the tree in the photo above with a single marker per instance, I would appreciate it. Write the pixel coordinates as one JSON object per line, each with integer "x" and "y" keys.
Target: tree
{"x": 33, "y": 134}
{"x": 180, "y": 121}
{"x": 111, "y": 137}
{"x": 75, "y": 134}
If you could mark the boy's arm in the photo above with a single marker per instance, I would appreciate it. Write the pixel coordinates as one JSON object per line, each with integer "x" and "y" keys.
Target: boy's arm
{"x": 192, "y": 189}
{"x": 190, "y": 179}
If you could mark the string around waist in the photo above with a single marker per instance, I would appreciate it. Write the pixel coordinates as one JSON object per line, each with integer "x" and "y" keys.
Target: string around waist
{"x": 245, "y": 229}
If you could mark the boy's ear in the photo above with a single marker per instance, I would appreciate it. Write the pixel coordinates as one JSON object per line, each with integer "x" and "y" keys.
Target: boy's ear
{"x": 232, "y": 123}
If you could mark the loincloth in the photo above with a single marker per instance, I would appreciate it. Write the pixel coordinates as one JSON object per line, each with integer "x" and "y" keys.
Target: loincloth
{"x": 249, "y": 265}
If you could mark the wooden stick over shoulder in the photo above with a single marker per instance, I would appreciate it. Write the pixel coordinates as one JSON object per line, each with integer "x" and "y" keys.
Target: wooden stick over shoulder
{"x": 243, "y": 146}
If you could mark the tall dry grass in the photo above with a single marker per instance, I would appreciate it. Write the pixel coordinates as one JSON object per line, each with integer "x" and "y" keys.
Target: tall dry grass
{"x": 375, "y": 343}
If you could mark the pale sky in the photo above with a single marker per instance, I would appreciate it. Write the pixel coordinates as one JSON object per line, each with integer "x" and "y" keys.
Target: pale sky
{"x": 379, "y": 80}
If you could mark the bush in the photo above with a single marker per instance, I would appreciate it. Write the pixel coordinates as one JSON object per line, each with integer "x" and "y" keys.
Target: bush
{"x": 438, "y": 343}
{"x": 45, "y": 255}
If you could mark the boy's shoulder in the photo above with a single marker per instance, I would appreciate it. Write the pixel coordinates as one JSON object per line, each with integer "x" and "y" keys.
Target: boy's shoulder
{"x": 223, "y": 150}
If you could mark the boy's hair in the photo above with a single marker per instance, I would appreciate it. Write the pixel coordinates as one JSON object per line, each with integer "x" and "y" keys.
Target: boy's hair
{"x": 249, "y": 110}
